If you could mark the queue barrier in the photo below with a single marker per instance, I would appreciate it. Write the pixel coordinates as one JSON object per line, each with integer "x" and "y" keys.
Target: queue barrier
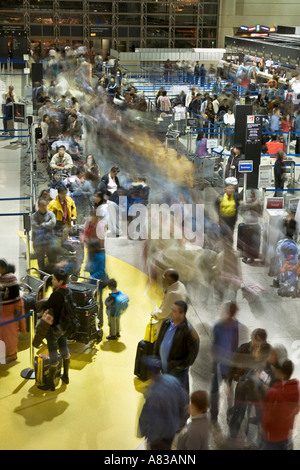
{"x": 14, "y": 198}
{"x": 281, "y": 190}
{"x": 29, "y": 372}
{"x": 8, "y": 131}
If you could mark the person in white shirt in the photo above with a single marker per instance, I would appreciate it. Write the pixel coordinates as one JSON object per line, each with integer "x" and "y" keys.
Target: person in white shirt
{"x": 216, "y": 104}
{"x": 175, "y": 290}
{"x": 45, "y": 127}
{"x": 229, "y": 121}
{"x": 109, "y": 185}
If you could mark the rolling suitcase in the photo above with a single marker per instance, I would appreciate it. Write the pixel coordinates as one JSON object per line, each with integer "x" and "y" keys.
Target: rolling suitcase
{"x": 88, "y": 331}
{"x": 248, "y": 240}
{"x": 41, "y": 368}
{"x": 81, "y": 293}
{"x": 42, "y": 150}
{"x": 144, "y": 349}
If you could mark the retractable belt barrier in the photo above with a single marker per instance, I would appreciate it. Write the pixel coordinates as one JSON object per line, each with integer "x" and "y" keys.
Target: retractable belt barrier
{"x": 12, "y": 130}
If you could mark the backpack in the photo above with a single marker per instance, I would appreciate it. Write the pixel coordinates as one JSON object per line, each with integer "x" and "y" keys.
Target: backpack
{"x": 117, "y": 303}
{"x": 68, "y": 322}
{"x": 38, "y": 134}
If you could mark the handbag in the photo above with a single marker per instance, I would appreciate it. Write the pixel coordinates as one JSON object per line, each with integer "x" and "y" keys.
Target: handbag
{"x": 42, "y": 328}
{"x": 151, "y": 331}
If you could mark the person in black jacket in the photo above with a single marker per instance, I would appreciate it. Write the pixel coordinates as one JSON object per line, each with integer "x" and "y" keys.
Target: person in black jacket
{"x": 177, "y": 344}
{"x": 54, "y": 340}
{"x": 279, "y": 171}
{"x": 109, "y": 183}
{"x": 195, "y": 105}
{"x": 110, "y": 186}
{"x": 232, "y": 166}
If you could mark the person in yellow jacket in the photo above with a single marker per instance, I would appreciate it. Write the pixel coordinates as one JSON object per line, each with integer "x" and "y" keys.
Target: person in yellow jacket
{"x": 65, "y": 212}
{"x": 227, "y": 208}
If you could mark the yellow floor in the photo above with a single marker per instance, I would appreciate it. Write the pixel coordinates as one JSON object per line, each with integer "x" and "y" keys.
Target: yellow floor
{"x": 98, "y": 410}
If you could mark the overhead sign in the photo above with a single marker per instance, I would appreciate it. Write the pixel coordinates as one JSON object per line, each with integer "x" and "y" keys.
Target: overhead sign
{"x": 246, "y": 166}
{"x": 258, "y": 28}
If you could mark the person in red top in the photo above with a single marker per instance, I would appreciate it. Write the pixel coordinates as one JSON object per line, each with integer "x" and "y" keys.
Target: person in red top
{"x": 287, "y": 126}
{"x": 274, "y": 146}
{"x": 280, "y": 407}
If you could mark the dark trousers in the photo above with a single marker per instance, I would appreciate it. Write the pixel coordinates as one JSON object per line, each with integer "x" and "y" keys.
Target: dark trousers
{"x": 297, "y": 148}
{"x": 41, "y": 252}
{"x": 161, "y": 444}
{"x": 282, "y": 445}
{"x": 183, "y": 376}
{"x": 214, "y": 393}
{"x": 54, "y": 343}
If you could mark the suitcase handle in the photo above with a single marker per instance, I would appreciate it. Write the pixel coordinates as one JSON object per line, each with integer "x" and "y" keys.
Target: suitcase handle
{"x": 73, "y": 278}
{"x": 23, "y": 284}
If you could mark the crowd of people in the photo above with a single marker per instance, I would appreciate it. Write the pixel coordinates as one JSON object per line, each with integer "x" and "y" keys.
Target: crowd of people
{"x": 215, "y": 108}
{"x": 80, "y": 209}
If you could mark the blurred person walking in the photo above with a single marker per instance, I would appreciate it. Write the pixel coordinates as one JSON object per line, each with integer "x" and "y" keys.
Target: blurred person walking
{"x": 280, "y": 408}
{"x": 280, "y": 172}
{"x": 43, "y": 222}
{"x": 225, "y": 343}
{"x": 165, "y": 409}
{"x": 227, "y": 208}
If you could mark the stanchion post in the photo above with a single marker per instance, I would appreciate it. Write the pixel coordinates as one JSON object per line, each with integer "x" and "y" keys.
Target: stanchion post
{"x": 245, "y": 187}
{"x": 29, "y": 373}
{"x": 222, "y": 136}
{"x": 27, "y": 228}
{"x": 263, "y": 196}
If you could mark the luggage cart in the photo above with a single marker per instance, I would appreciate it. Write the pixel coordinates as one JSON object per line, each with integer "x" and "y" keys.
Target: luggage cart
{"x": 89, "y": 330}
{"x": 205, "y": 172}
{"x": 34, "y": 290}
{"x": 172, "y": 138}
